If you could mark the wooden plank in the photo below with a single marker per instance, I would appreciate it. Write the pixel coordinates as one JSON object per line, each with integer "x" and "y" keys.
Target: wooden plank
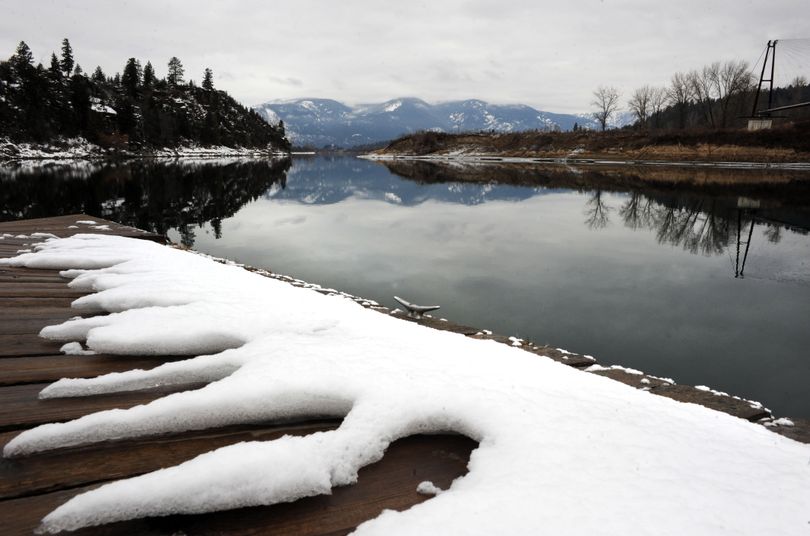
{"x": 39, "y": 290}
{"x": 60, "y": 226}
{"x": 37, "y": 302}
{"x": 35, "y": 286}
{"x": 28, "y": 344}
{"x": 388, "y": 484}
{"x": 38, "y": 313}
{"x": 15, "y": 325}
{"x": 32, "y": 277}
{"x": 20, "y": 408}
{"x": 19, "y": 271}
{"x": 49, "y": 368}
{"x": 69, "y": 468}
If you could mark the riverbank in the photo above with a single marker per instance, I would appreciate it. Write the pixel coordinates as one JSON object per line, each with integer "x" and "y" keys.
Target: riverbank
{"x": 81, "y": 149}
{"x": 784, "y": 147}
{"x": 749, "y": 187}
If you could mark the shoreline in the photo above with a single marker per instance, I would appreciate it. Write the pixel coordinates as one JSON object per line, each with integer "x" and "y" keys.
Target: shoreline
{"x": 81, "y": 149}
{"x": 751, "y": 410}
{"x": 484, "y": 159}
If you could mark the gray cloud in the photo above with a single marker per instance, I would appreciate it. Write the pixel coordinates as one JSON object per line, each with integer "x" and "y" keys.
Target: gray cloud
{"x": 547, "y": 54}
{"x": 286, "y": 81}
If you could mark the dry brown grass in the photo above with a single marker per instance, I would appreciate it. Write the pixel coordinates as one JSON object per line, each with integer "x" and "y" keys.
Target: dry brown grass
{"x": 788, "y": 143}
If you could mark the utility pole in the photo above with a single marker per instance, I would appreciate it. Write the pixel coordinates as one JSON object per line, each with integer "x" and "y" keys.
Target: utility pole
{"x": 763, "y": 120}
{"x": 770, "y": 52}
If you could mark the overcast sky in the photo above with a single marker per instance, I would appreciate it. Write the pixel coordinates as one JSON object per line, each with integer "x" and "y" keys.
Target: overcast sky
{"x": 550, "y": 55}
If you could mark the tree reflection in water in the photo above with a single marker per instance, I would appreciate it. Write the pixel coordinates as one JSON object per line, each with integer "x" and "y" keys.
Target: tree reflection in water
{"x": 152, "y": 195}
{"x": 597, "y": 213}
{"x": 699, "y": 225}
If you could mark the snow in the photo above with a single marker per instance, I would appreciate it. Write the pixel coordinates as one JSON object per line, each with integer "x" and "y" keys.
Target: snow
{"x": 75, "y": 348}
{"x": 548, "y": 435}
{"x": 214, "y": 151}
{"x": 269, "y": 115}
{"x": 99, "y": 107}
{"x": 60, "y": 148}
{"x": 79, "y": 148}
{"x": 782, "y": 421}
{"x": 428, "y": 488}
{"x": 600, "y": 368}
{"x": 393, "y": 106}
{"x": 309, "y": 105}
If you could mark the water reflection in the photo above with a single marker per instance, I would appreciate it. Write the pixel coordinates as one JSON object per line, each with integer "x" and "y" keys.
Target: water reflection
{"x": 152, "y": 195}
{"x": 597, "y": 211}
{"x": 699, "y": 225}
{"x": 185, "y": 195}
{"x": 680, "y": 213}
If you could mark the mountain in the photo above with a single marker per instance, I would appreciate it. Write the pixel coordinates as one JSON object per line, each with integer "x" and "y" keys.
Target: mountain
{"x": 326, "y": 122}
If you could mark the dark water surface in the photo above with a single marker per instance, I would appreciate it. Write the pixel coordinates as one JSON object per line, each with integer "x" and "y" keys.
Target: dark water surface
{"x": 645, "y": 278}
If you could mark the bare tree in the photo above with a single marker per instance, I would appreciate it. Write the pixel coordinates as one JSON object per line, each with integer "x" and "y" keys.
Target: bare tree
{"x": 733, "y": 78}
{"x": 606, "y": 102}
{"x": 640, "y": 104}
{"x": 798, "y": 81}
{"x": 703, "y": 86}
{"x": 658, "y": 99}
{"x": 679, "y": 95}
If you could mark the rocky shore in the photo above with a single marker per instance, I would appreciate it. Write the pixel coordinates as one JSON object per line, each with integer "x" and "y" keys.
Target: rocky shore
{"x": 80, "y": 148}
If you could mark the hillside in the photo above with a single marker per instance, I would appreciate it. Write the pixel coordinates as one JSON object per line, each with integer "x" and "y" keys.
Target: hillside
{"x": 135, "y": 112}
{"x": 325, "y": 122}
{"x": 788, "y": 143}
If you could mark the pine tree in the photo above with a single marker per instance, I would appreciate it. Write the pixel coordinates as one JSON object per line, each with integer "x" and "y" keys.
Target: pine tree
{"x": 23, "y": 58}
{"x": 148, "y": 76}
{"x": 55, "y": 69}
{"x": 175, "y": 76}
{"x": 98, "y": 75}
{"x": 130, "y": 79}
{"x": 67, "y": 57}
{"x": 208, "y": 80}
{"x": 77, "y": 71}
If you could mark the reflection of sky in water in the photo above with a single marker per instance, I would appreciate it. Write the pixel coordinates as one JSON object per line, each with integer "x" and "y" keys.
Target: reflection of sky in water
{"x": 528, "y": 265}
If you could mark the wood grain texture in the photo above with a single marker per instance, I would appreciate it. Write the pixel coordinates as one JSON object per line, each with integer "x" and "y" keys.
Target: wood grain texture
{"x": 48, "y": 368}
{"x": 21, "y": 408}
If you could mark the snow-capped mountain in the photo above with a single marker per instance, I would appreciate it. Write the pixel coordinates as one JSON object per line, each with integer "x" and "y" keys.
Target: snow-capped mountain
{"x": 322, "y": 122}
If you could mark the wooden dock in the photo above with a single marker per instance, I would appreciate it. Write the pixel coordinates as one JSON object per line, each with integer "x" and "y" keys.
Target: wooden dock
{"x": 30, "y": 487}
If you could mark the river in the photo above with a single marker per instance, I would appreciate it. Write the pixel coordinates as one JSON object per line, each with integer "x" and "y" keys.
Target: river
{"x": 660, "y": 279}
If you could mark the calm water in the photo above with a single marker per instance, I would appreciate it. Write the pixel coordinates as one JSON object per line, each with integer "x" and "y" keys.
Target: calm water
{"x": 638, "y": 277}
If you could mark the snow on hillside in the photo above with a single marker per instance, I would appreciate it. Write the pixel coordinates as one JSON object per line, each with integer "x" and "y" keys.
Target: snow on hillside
{"x": 322, "y": 122}
{"x": 561, "y": 451}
